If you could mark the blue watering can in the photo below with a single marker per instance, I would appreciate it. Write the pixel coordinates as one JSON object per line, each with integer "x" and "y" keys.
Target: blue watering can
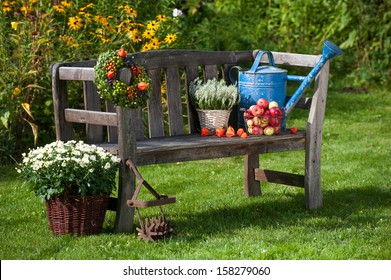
{"x": 270, "y": 82}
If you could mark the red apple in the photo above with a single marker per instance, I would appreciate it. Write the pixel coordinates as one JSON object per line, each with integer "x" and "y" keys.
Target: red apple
{"x": 256, "y": 110}
{"x": 265, "y": 119}
{"x": 280, "y": 114}
{"x": 274, "y": 111}
{"x": 277, "y": 129}
{"x": 257, "y": 121}
{"x": 255, "y": 130}
{"x": 248, "y": 114}
{"x": 264, "y": 122}
{"x": 274, "y": 121}
{"x": 269, "y": 130}
{"x": 273, "y": 104}
{"x": 263, "y": 103}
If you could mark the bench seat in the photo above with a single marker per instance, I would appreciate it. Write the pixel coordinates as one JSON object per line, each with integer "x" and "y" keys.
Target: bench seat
{"x": 195, "y": 147}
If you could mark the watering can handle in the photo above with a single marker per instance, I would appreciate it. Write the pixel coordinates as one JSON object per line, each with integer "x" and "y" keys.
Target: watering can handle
{"x": 258, "y": 60}
{"x": 231, "y": 76}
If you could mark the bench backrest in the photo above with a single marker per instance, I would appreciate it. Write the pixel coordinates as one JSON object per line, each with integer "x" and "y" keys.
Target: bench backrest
{"x": 175, "y": 68}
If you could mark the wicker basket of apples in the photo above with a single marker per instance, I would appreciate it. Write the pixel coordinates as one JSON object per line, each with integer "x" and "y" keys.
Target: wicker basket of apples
{"x": 263, "y": 118}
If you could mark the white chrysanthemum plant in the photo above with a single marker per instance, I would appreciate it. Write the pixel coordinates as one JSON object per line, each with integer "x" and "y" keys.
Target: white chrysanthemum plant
{"x": 69, "y": 168}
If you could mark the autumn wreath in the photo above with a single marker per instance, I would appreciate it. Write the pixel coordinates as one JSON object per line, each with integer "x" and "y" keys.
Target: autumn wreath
{"x": 134, "y": 95}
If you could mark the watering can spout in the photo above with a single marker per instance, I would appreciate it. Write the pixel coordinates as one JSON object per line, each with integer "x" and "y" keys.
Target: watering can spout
{"x": 330, "y": 50}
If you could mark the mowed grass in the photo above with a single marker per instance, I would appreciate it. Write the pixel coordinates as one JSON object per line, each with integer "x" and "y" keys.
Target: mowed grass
{"x": 212, "y": 218}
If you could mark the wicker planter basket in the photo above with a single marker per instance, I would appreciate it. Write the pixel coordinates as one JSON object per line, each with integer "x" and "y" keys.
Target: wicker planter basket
{"x": 76, "y": 215}
{"x": 213, "y": 119}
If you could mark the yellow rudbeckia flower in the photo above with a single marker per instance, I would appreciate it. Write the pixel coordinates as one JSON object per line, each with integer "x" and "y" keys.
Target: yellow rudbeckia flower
{"x": 153, "y": 25}
{"x": 66, "y": 4}
{"x": 59, "y": 9}
{"x": 161, "y": 18}
{"x": 75, "y": 23}
{"x": 170, "y": 38}
{"x": 14, "y": 25}
{"x": 148, "y": 34}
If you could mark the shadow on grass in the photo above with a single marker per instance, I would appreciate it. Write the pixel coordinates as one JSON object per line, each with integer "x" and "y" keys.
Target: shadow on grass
{"x": 342, "y": 208}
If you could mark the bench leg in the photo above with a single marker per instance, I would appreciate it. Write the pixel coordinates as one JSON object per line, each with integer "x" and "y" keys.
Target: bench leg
{"x": 312, "y": 183}
{"x": 252, "y": 187}
{"x": 312, "y": 178}
{"x": 125, "y": 215}
{"x": 126, "y": 150}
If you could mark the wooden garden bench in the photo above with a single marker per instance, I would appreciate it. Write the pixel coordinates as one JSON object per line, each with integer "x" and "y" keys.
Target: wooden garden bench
{"x": 157, "y": 135}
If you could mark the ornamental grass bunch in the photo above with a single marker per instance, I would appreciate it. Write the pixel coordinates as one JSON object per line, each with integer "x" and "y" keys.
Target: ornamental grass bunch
{"x": 69, "y": 168}
{"x": 213, "y": 95}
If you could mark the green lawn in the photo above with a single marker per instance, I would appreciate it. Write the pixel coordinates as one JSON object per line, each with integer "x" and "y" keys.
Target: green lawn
{"x": 212, "y": 218}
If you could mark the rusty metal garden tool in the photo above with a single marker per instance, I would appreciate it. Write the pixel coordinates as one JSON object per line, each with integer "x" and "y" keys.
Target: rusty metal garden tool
{"x": 152, "y": 228}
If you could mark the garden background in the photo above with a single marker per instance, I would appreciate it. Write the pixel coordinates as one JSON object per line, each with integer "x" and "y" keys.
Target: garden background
{"x": 36, "y": 33}
{"x": 355, "y": 222}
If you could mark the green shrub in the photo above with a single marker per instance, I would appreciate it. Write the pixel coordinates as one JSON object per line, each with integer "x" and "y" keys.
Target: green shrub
{"x": 361, "y": 28}
{"x": 36, "y": 34}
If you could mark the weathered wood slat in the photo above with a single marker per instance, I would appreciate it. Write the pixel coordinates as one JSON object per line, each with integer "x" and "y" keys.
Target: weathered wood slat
{"x": 211, "y": 72}
{"x": 184, "y": 58}
{"x": 197, "y": 141}
{"x": 92, "y": 103}
{"x": 195, "y": 147}
{"x": 72, "y": 73}
{"x": 138, "y": 123}
{"x": 177, "y": 58}
{"x": 174, "y": 101}
{"x": 191, "y": 73}
{"x": 279, "y": 177}
{"x": 155, "y": 110}
{"x": 64, "y": 130}
{"x": 90, "y": 117}
{"x": 295, "y": 59}
{"x": 112, "y": 132}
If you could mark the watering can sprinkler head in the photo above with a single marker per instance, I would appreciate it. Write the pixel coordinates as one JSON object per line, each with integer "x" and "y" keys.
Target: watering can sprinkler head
{"x": 330, "y": 50}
